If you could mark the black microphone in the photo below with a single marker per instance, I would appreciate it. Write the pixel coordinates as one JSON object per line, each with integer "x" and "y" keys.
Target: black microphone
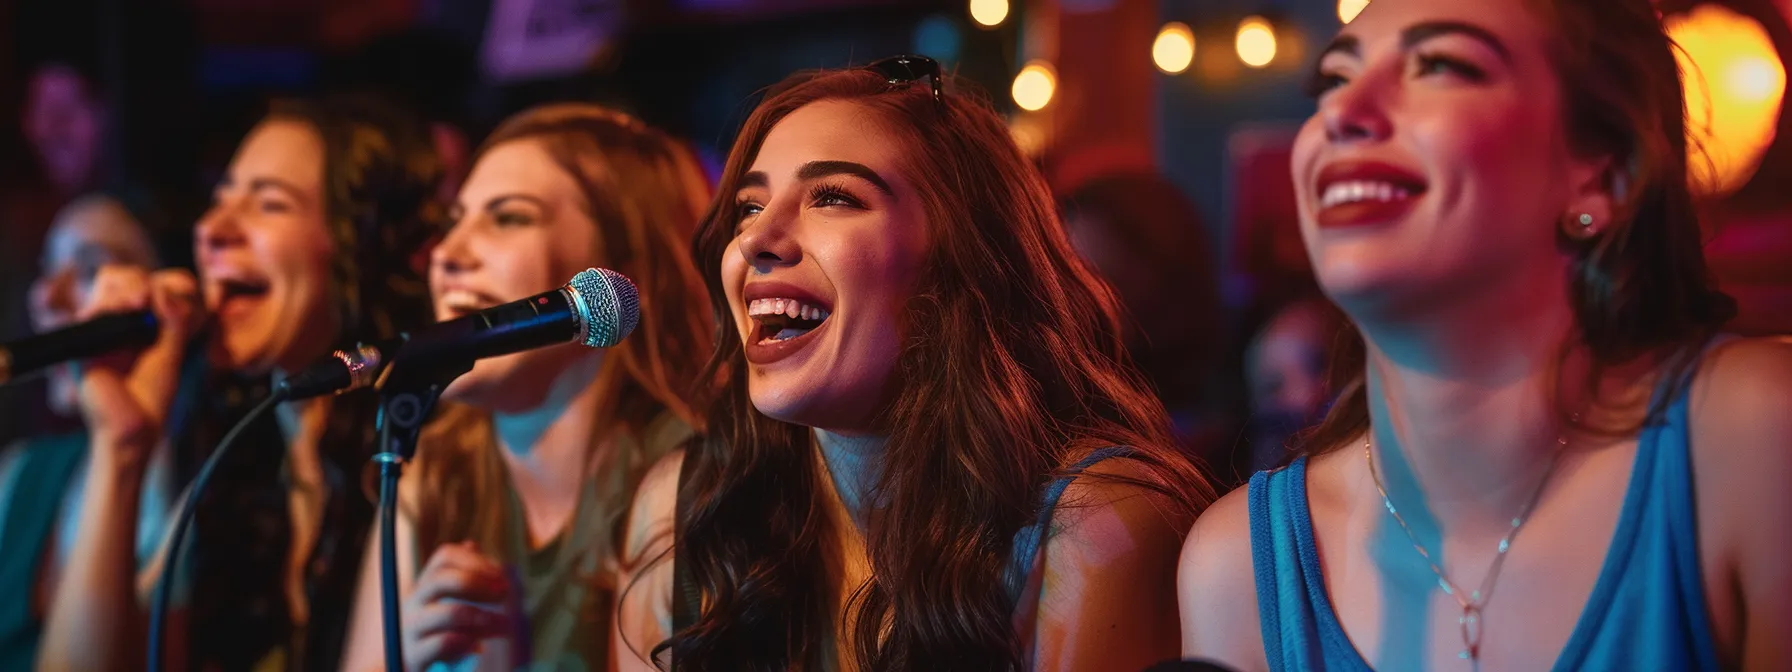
{"x": 98, "y": 336}
{"x": 597, "y": 308}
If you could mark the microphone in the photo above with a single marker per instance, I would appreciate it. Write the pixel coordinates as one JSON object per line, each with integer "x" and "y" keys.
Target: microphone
{"x": 597, "y": 308}
{"x": 97, "y": 336}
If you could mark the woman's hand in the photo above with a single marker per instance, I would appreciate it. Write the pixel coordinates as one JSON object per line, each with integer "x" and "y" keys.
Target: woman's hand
{"x": 125, "y": 396}
{"x": 461, "y": 599}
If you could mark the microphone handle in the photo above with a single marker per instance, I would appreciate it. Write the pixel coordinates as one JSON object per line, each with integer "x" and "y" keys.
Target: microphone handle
{"x": 97, "y": 336}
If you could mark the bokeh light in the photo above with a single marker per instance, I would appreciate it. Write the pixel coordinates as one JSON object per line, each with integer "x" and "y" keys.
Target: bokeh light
{"x": 1034, "y": 86}
{"x": 1734, "y": 83}
{"x": 1174, "y": 48}
{"x": 989, "y": 13}
{"x": 1348, "y": 9}
{"x": 1256, "y": 42}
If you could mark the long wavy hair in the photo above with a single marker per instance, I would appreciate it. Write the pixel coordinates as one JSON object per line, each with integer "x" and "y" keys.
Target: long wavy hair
{"x": 1013, "y": 368}
{"x": 646, "y": 192}
{"x": 379, "y": 178}
{"x": 1640, "y": 288}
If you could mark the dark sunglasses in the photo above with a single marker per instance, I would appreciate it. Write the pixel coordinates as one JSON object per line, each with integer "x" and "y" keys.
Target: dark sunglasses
{"x": 907, "y": 69}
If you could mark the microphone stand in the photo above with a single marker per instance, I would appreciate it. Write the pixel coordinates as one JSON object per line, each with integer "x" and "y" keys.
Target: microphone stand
{"x": 406, "y": 400}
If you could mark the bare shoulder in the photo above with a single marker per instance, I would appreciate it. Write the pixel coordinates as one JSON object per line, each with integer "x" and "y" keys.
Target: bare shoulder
{"x": 1106, "y": 591}
{"x": 1216, "y": 587}
{"x": 644, "y": 605}
{"x": 1740, "y": 415}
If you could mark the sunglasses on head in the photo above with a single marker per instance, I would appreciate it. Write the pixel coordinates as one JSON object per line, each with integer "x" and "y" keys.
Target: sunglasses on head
{"x": 907, "y": 69}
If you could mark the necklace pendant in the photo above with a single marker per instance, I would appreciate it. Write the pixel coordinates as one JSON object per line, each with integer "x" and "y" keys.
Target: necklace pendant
{"x": 1470, "y": 624}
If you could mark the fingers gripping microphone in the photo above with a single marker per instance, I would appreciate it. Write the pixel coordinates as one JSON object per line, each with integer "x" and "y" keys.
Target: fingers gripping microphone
{"x": 97, "y": 336}
{"x": 598, "y": 308}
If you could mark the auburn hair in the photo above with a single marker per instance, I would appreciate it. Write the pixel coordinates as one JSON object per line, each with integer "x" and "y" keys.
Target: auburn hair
{"x": 989, "y": 410}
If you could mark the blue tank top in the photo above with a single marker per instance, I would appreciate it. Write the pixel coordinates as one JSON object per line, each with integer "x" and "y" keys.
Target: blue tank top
{"x": 1647, "y": 609}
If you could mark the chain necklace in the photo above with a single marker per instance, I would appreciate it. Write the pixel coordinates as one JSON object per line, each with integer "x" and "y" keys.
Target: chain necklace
{"x": 1473, "y": 603}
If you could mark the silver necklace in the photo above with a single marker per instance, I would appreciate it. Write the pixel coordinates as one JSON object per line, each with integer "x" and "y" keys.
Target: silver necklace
{"x": 1473, "y": 603}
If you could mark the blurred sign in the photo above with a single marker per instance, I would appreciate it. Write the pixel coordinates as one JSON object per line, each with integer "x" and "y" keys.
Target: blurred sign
{"x": 539, "y": 39}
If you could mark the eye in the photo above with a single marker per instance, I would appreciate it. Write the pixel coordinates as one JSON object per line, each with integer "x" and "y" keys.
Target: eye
{"x": 831, "y": 196}
{"x": 745, "y": 209}
{"x": 273, "y": 206}
{"x": 1322, "y": 82}
{"x": 1435, "y": 64}
{"x": 508, "y": 219}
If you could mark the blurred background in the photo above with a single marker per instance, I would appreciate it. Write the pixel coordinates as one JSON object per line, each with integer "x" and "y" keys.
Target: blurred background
{"x": 1164, "y": 125}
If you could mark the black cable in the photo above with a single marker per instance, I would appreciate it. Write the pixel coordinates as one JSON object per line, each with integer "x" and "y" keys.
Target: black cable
{"x": 390, "y": 465}
{"x": 158, "y": 612}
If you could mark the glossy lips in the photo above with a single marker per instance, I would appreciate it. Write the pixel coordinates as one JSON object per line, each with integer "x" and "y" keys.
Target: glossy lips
{"x": 1364, "y": 193}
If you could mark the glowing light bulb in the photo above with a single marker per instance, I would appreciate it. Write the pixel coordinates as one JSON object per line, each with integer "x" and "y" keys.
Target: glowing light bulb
{"x": 1734, "y": 83}
{"x": 1348, "y": 9}
{"x": 1256, "y": 42}
{"x": 1174, "y": 48}
{"x": 1034, "y": 86}
{"x": 989, "y": 13}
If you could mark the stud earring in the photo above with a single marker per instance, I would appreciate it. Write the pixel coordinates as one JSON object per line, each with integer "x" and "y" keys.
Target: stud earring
{"x": 1586, "y": 220}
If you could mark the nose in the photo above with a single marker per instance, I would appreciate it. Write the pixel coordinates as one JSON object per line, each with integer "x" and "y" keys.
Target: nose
{"x": 453, "y": 254}
{"x": 767, "y": 243}
{"x": 218, "y": 230}
{"x": 1357, "y": 111}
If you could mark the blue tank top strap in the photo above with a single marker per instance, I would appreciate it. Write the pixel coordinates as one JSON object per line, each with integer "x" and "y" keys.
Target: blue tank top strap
{"x": 1029, "y": 540}
{"x": 46, "y": 467}
{"x": 1300, "y": 630}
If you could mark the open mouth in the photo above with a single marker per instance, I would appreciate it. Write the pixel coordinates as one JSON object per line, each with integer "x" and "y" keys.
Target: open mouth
{"x": 236, "y": 294}
{"x": 782, "y": 319}
{"x": 456, "y": 303}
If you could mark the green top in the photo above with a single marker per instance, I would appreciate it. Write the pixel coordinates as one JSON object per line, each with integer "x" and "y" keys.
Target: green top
{"x": 567, "y": 602}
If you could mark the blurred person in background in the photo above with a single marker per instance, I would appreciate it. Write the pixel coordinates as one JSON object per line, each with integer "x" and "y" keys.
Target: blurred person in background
{"x": 1150, "y": 243}
{"x": 1285, "y": 369}
{"x": 307, "y": 247}
{"x": 534, "y": 468}
{"x": 38, "y": 506}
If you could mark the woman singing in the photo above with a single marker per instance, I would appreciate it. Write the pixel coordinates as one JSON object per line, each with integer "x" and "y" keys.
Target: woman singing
{"x": 1543, "y": 457}
{"x": 917, "y": 367}
{"x": 538, "y": 474}
{"x": 306, "y": 247}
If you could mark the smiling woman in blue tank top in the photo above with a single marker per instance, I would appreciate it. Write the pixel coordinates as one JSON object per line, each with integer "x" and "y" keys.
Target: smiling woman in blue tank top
{"x": 1543, "y": 455}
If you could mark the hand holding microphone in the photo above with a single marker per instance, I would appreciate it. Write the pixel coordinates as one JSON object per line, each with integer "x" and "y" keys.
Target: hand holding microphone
{"x": 125, "y": 394}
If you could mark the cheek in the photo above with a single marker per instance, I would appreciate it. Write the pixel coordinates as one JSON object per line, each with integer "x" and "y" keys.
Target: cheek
{"x": 733, "y": 275}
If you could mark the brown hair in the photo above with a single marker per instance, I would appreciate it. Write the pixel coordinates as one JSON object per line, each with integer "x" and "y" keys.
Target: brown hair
{"x": 988, "y": 411}
{"x": 1640, "y": 288}
{"x": 645, "y": 191}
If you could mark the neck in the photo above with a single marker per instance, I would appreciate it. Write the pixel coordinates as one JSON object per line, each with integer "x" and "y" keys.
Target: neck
{"x": 852, "y": 462}
{"x": 1464, "y": 402}
{"x": 547, "y": 445}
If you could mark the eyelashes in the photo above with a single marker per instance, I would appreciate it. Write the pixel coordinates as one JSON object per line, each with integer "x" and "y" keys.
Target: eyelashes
{"x": 821, "y": 195}
{"x": 1323, "y": 80}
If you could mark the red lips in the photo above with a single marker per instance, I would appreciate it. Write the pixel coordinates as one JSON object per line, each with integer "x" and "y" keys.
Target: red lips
{"x": 1365, "y": 193}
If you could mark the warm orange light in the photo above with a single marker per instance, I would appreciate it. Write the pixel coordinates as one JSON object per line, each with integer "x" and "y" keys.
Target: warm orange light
{"x": 989, "y": 13}
{"x": 1734, "y": 84}
{"x": 1034, "y": 86}
{"x": 1174, "y": 48}
{"x": 1256, "y": 42}
{"x": 1348, "y": 9}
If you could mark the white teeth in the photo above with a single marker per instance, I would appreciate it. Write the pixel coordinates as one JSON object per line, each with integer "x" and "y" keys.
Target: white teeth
{"x": 1353, "y": 191}
{"x": 790, "y": 308}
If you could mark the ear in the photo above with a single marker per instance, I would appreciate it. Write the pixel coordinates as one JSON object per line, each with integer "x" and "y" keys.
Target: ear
{"x": 1598, "y": 186}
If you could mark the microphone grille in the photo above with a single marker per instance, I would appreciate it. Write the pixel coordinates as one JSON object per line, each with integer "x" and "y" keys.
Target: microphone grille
{"x": 614, "y": 306}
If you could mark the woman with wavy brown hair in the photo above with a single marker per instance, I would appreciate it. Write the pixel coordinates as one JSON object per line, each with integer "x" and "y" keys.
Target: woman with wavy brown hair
{"x": 1543, "y": 455}
{"x": 916, "y": 367}
{"x": 533, "y": 469}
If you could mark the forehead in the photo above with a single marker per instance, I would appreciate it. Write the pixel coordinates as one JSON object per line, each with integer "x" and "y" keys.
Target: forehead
{"x": 518, "y": 166}
{"x": 103, "y": 224}
{"x": 1515, "y": 23}
{"x": 829, "y": 130}
{"x": 291, "y": 151}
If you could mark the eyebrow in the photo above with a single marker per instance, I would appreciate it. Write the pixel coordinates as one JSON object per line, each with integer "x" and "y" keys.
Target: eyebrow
{"x": 260, "y": 183}
{"x": 819, "y": 169}
{"x": 1418, "y": 33}
{"x": 499, "y": 201}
